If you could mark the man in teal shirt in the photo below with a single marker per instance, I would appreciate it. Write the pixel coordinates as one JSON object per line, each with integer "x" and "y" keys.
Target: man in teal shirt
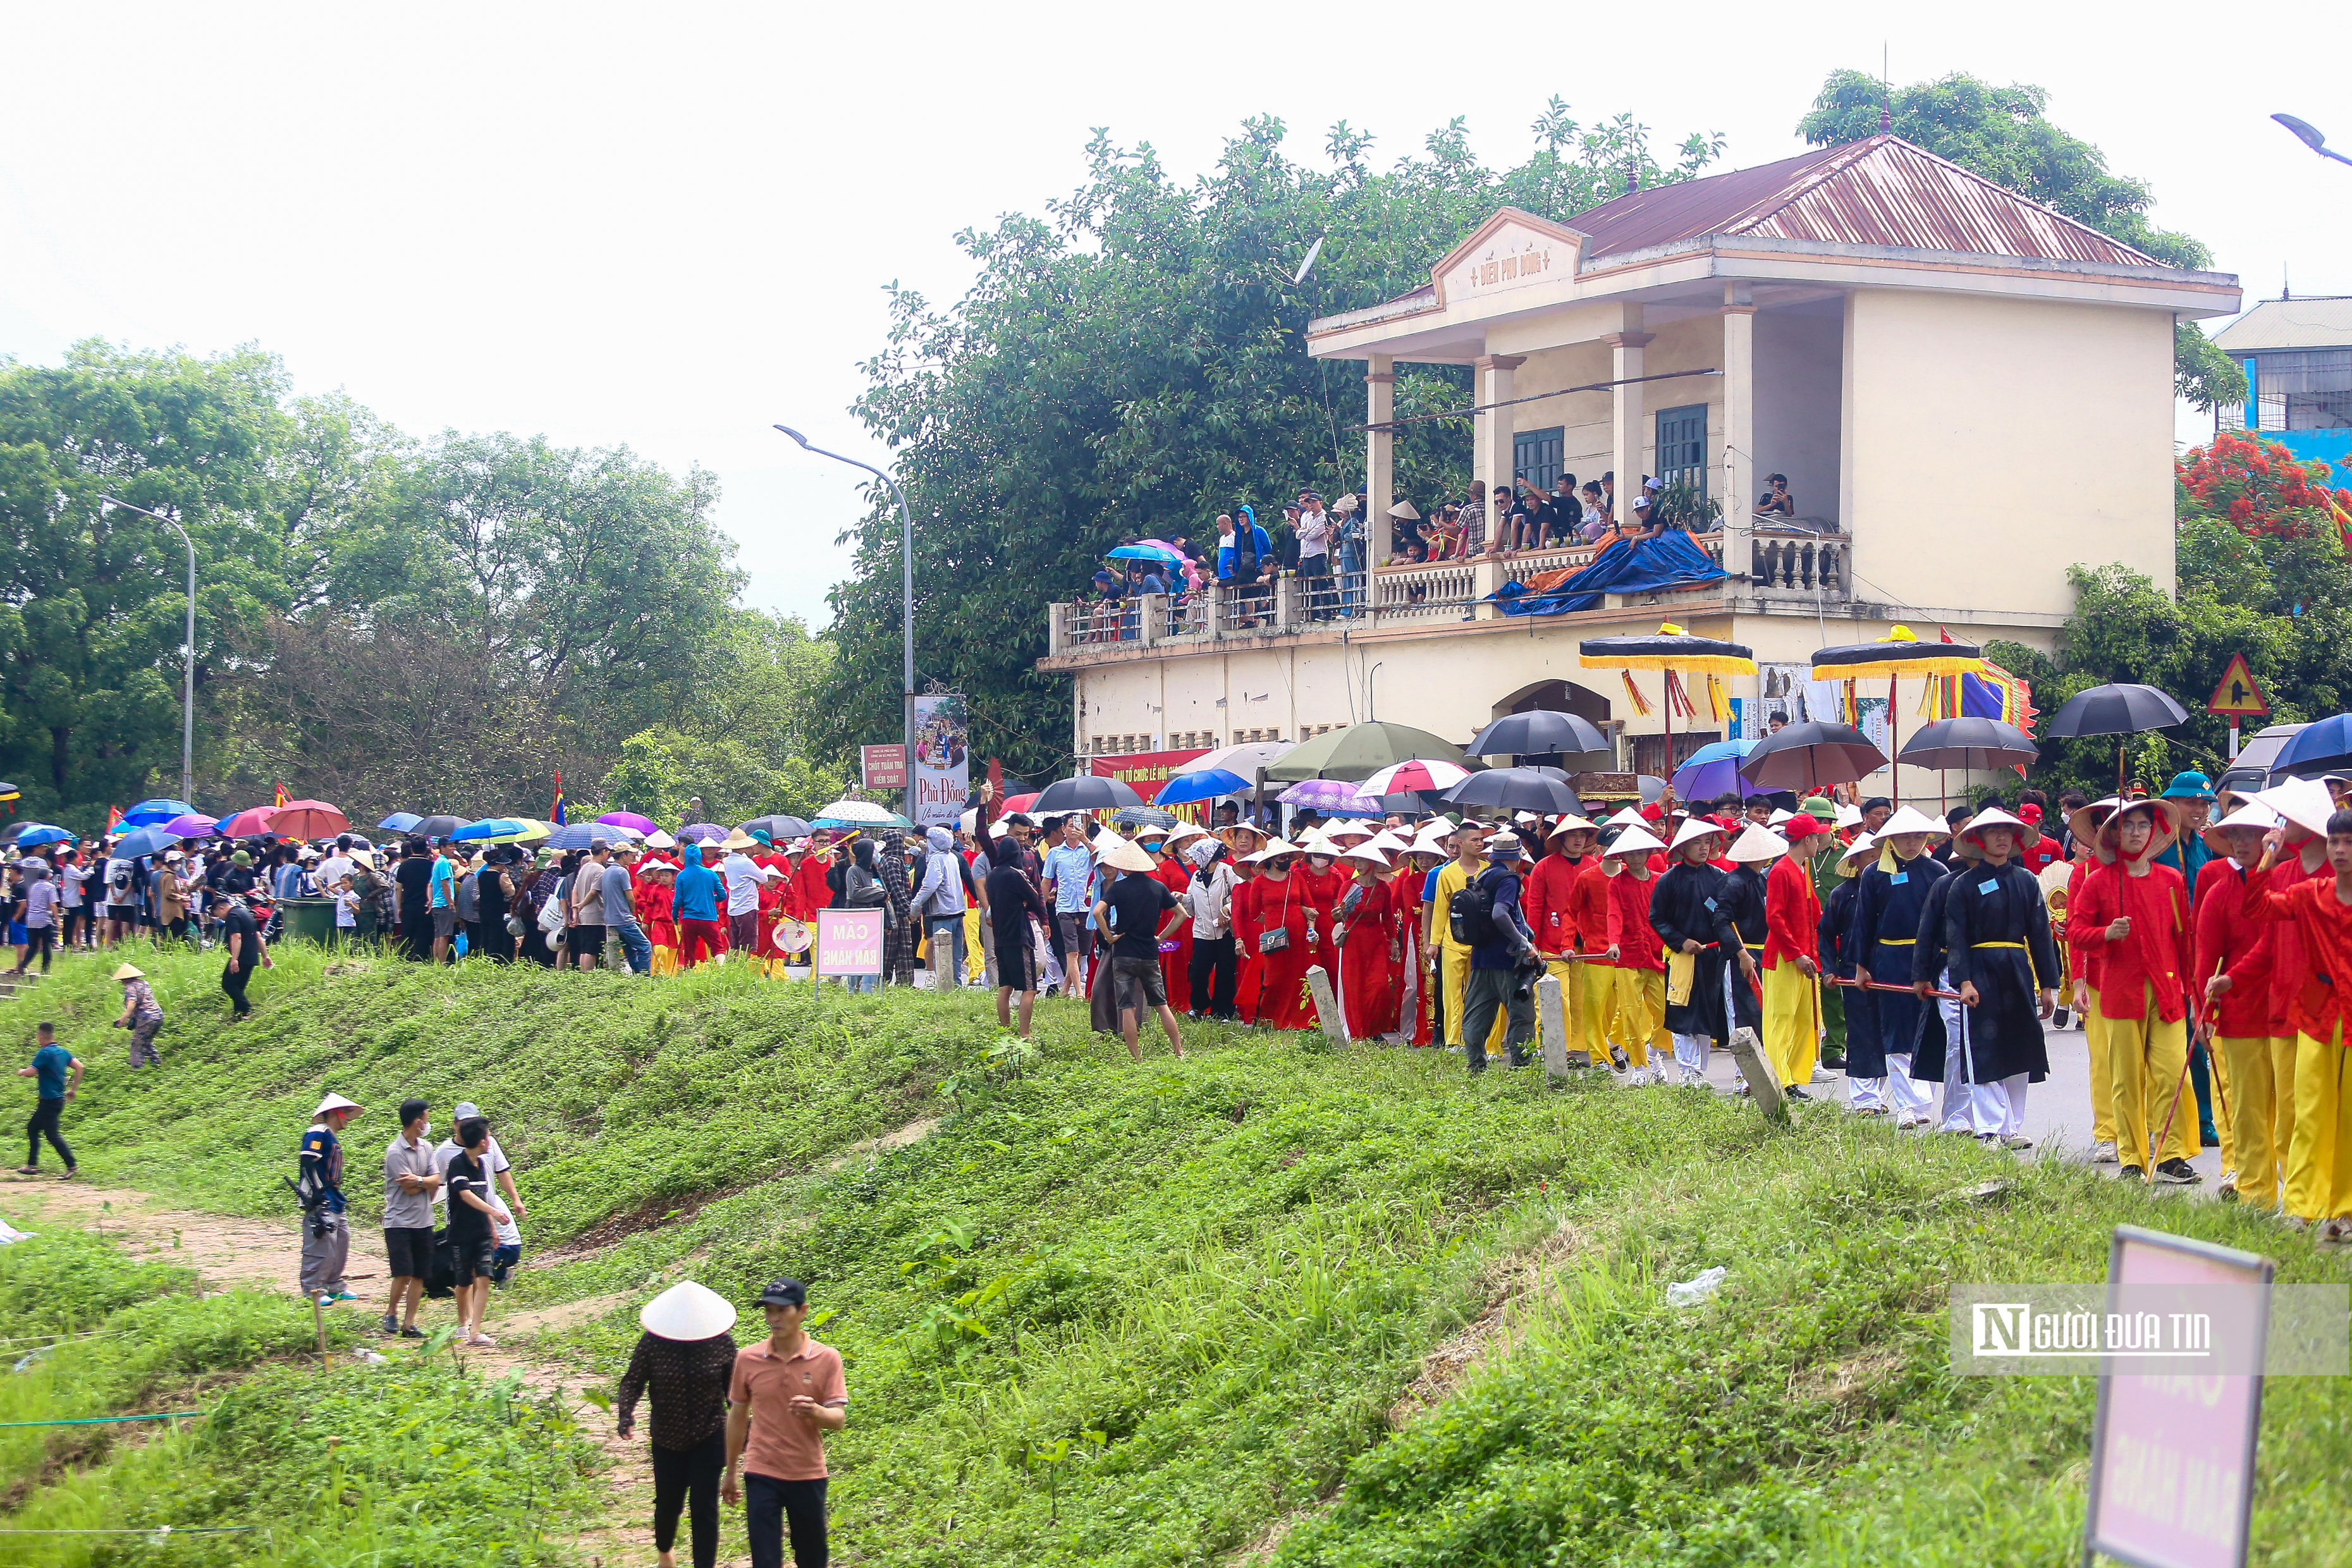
{"x": 2188, "y": 853}
{"x": 59, "y": 1072}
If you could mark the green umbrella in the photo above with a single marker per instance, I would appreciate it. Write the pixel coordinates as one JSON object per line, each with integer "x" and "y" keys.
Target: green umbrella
{"x": 1359, "y": 750}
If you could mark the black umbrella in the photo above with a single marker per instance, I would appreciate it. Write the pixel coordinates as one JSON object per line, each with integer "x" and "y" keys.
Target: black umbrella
{"x": 437, "y": 826}
{"x": 1085, "y": 793}
{"x": 1811, "y": 756}
{"x": 1143, "y": 816}
{"x": 1515, "y": 789}
{"x": 1533, "y": 734}
{"x": 778, "y": 828}
{"x": 1972, "y": 743}
{"x": 2120, "y": 709}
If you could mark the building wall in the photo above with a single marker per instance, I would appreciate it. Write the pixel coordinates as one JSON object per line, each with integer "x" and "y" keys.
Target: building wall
{"x": 1799, "y": 368}
{"x": 1991, "y": 443}
{"x": 1682, "y": 342}
{"x": 1451, "y": 685}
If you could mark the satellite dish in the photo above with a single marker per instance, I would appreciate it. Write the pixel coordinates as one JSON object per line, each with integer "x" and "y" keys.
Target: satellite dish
{"x": 1307, "y": 265}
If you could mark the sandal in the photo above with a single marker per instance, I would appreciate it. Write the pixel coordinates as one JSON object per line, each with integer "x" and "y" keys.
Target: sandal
{"x": 482, "y": 1343}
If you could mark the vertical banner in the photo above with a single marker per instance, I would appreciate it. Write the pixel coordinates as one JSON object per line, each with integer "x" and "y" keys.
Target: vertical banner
{"x": 942, "y": 770}
{"x": 1780, "y": 695}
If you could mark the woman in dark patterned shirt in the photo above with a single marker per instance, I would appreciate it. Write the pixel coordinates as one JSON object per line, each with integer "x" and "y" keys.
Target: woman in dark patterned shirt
{"x": 683, "y": 1358}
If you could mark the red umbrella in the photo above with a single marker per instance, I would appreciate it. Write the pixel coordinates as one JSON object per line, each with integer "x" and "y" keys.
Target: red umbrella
{"x": 307, "y": 819}
{"x": 250, "y": 823}
{"x": 1021, "y": 802}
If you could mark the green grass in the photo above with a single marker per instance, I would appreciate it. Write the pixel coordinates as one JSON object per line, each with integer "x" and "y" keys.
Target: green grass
{"x": 1109, "y": 1313}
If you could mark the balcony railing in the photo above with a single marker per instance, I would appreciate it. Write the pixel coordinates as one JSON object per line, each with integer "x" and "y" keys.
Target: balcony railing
{"x": 1784, "y": 564}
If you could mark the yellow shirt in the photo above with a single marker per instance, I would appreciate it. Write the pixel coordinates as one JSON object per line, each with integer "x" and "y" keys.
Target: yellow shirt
{"x": 1451, "y": 880}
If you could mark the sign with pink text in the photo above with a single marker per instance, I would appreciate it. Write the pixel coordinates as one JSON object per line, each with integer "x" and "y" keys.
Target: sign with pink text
{"x": 849, "y": 942}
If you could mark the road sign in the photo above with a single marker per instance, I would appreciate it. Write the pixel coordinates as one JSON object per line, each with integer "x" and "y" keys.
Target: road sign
{"x": 2238, "y": 695}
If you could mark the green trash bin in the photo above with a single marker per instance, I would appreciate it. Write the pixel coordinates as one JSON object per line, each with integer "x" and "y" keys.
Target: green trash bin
{"x": 309, "y": 920}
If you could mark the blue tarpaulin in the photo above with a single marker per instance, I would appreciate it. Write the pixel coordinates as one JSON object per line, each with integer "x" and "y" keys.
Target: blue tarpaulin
{"x": 1672, "y": 560}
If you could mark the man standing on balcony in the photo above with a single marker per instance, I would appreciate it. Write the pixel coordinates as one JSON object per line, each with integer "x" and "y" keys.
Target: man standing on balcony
{"x": 1314, "y": 525}
{"x": 1471, "y": 521}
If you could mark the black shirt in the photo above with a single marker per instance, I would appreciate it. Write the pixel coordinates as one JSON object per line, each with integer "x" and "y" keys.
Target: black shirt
{"x": 1013, "y": 901}
{"x": 467, "y": 1223}
{"x": 1137, "y": 902}
{"x": 241, "y": 923}
{"x": 688, "y": 1380}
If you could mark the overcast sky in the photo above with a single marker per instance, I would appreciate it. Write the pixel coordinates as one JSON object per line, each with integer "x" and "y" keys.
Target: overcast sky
{"x": 671, "y": 227}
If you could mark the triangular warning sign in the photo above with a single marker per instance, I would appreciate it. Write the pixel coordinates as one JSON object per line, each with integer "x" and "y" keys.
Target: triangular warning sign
{"x": 2238, "y": 695}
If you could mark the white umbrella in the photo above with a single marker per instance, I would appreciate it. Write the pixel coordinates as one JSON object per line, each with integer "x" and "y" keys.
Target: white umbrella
{"x": 1245, "y": 759}
{"x": 857, "y": 811}
{"x": 1414, "y": 773}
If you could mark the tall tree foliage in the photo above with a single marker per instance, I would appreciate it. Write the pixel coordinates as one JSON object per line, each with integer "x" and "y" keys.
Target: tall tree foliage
{"x": 381, "y": 621}
{"x": 1133, "y": 363}
{"x": 2000, "y": 134}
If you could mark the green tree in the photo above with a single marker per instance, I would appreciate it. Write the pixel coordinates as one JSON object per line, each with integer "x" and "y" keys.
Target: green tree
{"x": 1133, "y": 364}
{"x": 2000, "y": 134}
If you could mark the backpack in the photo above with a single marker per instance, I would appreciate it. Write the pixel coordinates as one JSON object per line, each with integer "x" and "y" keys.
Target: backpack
{"x": 1471, "y": 913}
{"x": 859, "y": 890}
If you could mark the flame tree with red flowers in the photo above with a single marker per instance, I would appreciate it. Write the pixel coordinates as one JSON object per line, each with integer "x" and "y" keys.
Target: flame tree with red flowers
{"x": 2262, "y": 490}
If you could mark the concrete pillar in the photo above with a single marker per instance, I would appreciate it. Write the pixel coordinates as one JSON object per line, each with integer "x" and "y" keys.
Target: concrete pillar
{"x": 1492, "y": 460}
{"x": 1740, "y": 488}
{"x": 1629, "y": 436}
{"x": 1379, "y": 456}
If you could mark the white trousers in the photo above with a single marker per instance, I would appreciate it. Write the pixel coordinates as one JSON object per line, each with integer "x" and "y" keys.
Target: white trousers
{"x": 1994, "y": 1109}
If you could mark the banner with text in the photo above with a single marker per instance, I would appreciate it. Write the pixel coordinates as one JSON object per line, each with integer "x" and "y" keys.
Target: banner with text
{"x": 942, "y": 760}
{"x": 1142, "y": 772}
{"x": 849, "y": 942}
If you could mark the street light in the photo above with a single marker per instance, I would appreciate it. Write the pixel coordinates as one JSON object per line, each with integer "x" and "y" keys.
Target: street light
{"x": 2311, "y": 137}
{"x": 188, "y": 689}
{"x": 906, "y": 604}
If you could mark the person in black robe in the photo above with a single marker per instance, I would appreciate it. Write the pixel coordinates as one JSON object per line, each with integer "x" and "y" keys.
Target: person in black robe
{"x": 1690, "y": 911}
{"x": 1890, "y": 901}
{"x": 1837, "y": 963}
{"x": 2001, "y": 961}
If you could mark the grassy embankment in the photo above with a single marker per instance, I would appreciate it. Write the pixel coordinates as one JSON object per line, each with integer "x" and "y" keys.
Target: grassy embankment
{"x": 1104, "y": 1313}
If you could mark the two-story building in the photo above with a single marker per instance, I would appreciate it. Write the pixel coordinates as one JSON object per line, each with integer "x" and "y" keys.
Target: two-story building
{"x": 1967, "y": 392}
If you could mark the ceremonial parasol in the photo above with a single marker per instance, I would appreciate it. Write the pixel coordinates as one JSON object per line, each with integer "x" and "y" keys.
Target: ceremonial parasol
{"x": 1970, "y": 743}
{"x": 2120, "y": 709}
{"x": 1897, "y": 654}
{"x": 1811, "y": 756}
{"x": 1534, "y": 733}
{"x": 1356, "y": 751}
{"x": 1669, "y": 649}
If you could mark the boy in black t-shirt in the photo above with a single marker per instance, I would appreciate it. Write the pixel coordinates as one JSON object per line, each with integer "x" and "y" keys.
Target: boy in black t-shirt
{"x": 472, "y": 1208}
{"x": 1129, "y": 915}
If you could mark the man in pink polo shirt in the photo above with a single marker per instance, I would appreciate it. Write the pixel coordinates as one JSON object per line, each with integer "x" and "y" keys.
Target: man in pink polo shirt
{"x": 785, "y": 1395}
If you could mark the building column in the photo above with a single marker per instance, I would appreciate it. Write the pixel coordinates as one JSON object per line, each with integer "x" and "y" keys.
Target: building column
{"x": 1740, "y": 482}
{"x": 1379, "y": 456}
{"x": 1628, "y": 436}
{"x": 1491, "y": 461}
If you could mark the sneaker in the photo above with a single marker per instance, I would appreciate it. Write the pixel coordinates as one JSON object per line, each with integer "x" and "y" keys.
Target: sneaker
{"x": 339, "y": 1296}
{"x": 390, "y": 1325}
{"x": 2103, "y": 1153}
{"x": 1618, "y": 1059}
{"x": 2177, "y": 1172}
{"x": 411, "y": 1331}
{"x": 1793, "y": 1092}
{"x": 2132, "y": 1174}
{"x": 2208, "y": 1137}
{"x": 2015, "y": 1140}
{"x": 2333, "y": 1232}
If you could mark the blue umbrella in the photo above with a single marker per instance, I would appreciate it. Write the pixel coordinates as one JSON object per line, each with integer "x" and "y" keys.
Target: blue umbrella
{"x": 33, "y": 833}
{"x": 1147, "y": 552}
{"x": 401, "y": 821}
{"x": 146, "y": 841}
{"x": 1712, "y": 770}
{"x": 148, "y": 813}
{"x": 1206, "y": 785}
{"x": 582, "y": 835}
{"x": 491, "y": 827}
{"x": 2314, "y": 749}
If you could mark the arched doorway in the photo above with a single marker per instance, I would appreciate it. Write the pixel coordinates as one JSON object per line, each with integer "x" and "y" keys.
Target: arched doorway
{"x": 1556, "y": 697}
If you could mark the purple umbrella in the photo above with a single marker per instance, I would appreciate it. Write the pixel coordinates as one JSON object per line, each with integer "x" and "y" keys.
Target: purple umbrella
{"x": 628, "y": 819}
{"x": 1322, "y": 795}
{"x": 193, "y": 825}
{"x": 695, "y": 833}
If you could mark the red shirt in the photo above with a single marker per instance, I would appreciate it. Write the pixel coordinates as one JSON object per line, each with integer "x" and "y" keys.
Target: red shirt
{"x": 2088, "y": 956}
{"x": 2150, "y": 958}
{"x": 1792, "y": 914}
{"x": 782, "y": 1444}
{"x": 1638, "y": 946}
{"x": 2042, "y": 856}
{"x": 1590, "y": 900}
{"x": 2281, "y": 952}
{"x": 1548, "y": 900}
{"x": 2228, "y": 939}
{"x": 2322, "y": 925}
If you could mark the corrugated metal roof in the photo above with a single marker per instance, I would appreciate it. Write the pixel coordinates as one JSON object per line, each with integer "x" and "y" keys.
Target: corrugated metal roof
{"x": 2323, "y": 322}
{"x": 1879, "y": 191}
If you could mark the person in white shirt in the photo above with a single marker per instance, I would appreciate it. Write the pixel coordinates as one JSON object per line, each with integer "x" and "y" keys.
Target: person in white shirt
{"x": 743, "y": 876}
{"x": 506, "y": 1233}
{"x": 1210, "y": 902}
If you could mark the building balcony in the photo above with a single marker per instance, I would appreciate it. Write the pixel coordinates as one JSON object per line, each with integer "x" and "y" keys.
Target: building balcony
{"x": 1787, "y": 568}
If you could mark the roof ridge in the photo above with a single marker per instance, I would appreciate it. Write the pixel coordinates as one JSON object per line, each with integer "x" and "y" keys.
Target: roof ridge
{"x": 1841, "y": 159}
{"x": 1968, "y": 173}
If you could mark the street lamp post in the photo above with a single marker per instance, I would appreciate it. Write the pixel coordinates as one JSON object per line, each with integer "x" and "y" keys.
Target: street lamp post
{"x": 907, "y": 601}
{"x": 2310, "y": 136}
{"x": 188, "y": 685}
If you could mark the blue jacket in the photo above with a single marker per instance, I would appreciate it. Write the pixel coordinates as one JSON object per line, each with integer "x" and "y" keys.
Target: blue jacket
{"x": 699, "y": 893}
{"x": 1226, "y": 552}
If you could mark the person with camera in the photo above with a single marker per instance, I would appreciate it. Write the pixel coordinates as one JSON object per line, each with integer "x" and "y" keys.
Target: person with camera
{"x": 1503, "y": 958}
{"x": 326, "y": 1235}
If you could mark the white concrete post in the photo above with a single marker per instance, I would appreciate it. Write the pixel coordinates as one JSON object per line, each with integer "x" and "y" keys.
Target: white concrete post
{"x": 1326, "y": 1006}
{"x": 1380, "y": 458}
{"x": 1549, "y": 1004}
{"x": 1628, "y": 435}
{"x": 1492, "y": 460}
{"x": 1739, "y": 485}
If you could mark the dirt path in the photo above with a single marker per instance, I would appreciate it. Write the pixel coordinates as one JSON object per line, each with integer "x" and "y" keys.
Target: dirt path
{"x": 264, "y": 1253}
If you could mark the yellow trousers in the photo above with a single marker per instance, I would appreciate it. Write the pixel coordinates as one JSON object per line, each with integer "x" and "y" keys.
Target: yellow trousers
{"x": 1792, "y": 1024}
{"x": 1455, "y": 961}
{"x": 1599, "y": 1000}
{"x": 1570, "y": 976}
{"x": 2102, "y": 1099}
{"x": 1642, "y": 1016}
{"x": 2146, "y": 1058}
{"x": 975, "y": 962}
{"x": 2320, "y": 1157}
{"x": 2249, "y": 1138}
{"x": 2283, "y": 1060}
{"x": 2225, "y": 1099}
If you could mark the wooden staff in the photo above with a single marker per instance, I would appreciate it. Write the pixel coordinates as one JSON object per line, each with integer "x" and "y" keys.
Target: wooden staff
{"x": 1885, "y": 985}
